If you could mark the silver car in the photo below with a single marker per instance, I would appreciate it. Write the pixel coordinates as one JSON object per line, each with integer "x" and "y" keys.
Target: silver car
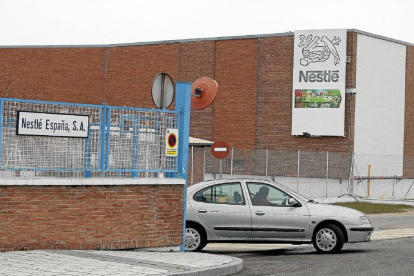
{"x": 260, "y": 211}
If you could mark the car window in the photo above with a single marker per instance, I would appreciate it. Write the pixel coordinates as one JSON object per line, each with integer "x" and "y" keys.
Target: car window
{"x": 229, "y": 193}
{"x": 266, "y": 195}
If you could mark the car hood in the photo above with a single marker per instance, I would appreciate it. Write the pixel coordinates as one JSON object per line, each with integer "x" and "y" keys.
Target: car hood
{"x": 316, "y": 209}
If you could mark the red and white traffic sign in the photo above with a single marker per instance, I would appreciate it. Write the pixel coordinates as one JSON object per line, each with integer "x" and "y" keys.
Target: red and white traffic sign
{"x": 171, "y": 142}
{"x": 220, "y": 149}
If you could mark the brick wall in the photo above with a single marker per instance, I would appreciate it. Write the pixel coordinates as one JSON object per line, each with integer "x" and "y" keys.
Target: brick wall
{"x": 235, "y": 104}
{"x": 351, "y": 51}
{"x": 409, "y": 114}
{"x": 131, "y": 70}
{"x": 90, "y": 217}
{"x": 62, "y": 74}
{"x": 197, "y": 60}
{"x": 252, "y": 109}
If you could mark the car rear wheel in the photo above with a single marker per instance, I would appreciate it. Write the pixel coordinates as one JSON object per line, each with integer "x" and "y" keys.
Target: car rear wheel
{"x": 328, "y": 238}
{"x": 195, "y": 239}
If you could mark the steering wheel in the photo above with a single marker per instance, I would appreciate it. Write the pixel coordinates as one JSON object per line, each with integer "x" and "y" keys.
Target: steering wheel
{"x": 284, "y": 202}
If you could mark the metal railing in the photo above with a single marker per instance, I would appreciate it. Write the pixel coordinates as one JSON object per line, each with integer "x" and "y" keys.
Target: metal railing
{"x": 312, "y": 173}
{"x": 122, "y": 142}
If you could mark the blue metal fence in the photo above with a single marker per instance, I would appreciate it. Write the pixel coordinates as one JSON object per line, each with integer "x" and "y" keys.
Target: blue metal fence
{"x": 122, "y": 142}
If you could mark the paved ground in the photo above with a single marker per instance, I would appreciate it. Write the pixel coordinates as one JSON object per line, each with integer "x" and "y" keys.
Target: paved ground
{"x": 243, "y": 247}
{"x": 392, "y": 221}
{"x": 380, "y": 258}
{"x": 102, "y": 263}
{"x": 389, "y": 253}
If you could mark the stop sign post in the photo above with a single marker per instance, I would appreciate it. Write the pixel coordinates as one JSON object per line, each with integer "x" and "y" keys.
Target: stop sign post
{"x": 220, "y": 150}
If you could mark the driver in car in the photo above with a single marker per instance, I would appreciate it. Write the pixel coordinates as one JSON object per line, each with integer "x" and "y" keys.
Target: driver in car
{"x": 260, "y": 199}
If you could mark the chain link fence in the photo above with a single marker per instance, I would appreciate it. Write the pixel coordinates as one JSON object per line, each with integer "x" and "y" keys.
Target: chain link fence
{"x": 122, "y": 142}
{"x": 137, "y": 142}
{"x": 315, "y": 174}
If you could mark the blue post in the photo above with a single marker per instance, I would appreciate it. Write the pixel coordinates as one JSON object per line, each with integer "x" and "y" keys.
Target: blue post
{"x": 183, "y": 105}
{"x": 102, "y": 138}
{"x": 108, "y": 137}
{"x": 87, "y": 145}
{"x": 136, "y": 122}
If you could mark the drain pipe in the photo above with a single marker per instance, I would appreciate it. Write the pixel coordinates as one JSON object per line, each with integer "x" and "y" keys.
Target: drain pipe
{"x": 369, "y": 180}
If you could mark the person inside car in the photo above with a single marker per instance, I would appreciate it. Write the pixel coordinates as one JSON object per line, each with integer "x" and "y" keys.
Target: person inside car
{"x": 260, "y": 199}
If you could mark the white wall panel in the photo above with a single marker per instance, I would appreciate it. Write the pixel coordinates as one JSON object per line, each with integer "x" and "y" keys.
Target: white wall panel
{"x": 380, "y": 104}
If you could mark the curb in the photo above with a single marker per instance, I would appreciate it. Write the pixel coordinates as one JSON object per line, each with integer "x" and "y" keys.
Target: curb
{"x": 233, "y": 267}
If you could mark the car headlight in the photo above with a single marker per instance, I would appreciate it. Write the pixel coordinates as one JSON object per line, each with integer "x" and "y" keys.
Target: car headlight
{"x": 364, "y": 220}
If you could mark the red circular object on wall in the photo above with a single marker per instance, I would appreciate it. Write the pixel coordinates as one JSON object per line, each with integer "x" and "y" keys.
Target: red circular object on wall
{"x": 209, "y": 88}
{"x": 220, "y": 149}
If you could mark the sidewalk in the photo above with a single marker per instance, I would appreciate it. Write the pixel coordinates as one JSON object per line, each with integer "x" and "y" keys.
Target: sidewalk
{"x": 100, "y": 263}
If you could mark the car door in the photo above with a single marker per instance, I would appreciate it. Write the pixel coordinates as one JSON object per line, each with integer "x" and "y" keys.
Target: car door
{"x": 223, "y": 209}
{"x": 272, "y": 217}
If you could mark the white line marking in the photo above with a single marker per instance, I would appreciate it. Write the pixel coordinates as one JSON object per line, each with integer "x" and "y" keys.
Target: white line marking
{"x": 392, "y": 234}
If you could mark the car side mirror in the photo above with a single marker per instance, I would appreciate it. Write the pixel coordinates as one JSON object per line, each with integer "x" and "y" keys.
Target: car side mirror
{"x": 293, "y": 202}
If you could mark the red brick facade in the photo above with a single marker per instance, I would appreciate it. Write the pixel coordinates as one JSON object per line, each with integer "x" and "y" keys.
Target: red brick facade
{"x": 252, "y": 110}
{"x": 409, "y": 113}
{"x": 90, "y": 217}
{"x": 195, "y": 60}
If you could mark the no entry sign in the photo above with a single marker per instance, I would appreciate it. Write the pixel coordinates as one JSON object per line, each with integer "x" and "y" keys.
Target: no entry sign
{"x": 220, "y": 149}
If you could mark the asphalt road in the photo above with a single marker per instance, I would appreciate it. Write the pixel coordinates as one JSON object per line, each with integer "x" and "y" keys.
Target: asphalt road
{"x": 387, "y": 257}
{"x": 383, "y": 257}
{"x": 392, "y": 221}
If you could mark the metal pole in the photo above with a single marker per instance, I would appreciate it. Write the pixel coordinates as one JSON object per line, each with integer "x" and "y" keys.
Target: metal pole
{"x": 162, "y": 90}
{"x": 221, "y": 168}
{"x": 394, "y": 182}
{"x": 267, "y": 160}
{"x": 351, "y": 175}
{"x": 192, "y": 164}
{"x": 231, "y": 164}
{"x": 204, "y": 165}
{"x": 147, "y": 162}
{"x": 297, "y": 181}
{"x": 101, "y": 138}
{"x": 183, "y": 106}
{"x": 408, "y": 190}
{"x": 327, "y": 174}
{"x": 369, "y": 180}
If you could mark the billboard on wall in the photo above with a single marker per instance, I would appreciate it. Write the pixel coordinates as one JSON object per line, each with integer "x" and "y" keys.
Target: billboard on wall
{"x": 319, "y": 75}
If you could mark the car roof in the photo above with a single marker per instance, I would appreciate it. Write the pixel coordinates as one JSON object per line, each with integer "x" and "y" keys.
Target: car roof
{"x": 213, "y": 181}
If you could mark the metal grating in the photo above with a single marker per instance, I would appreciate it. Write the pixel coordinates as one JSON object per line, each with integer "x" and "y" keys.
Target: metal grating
{"x": 122, "y": 142}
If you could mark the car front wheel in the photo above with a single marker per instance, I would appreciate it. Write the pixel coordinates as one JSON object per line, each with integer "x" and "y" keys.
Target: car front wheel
{"x": 194, "y": 238}
{"x": 328, "y": 238}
